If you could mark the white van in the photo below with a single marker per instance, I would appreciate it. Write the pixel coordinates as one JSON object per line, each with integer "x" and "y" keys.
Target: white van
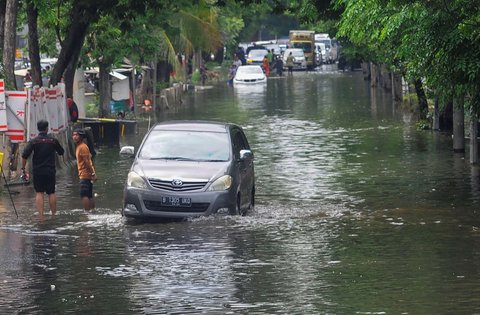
{"x": 331, "y": 55}
{"x": 321, "y": 53}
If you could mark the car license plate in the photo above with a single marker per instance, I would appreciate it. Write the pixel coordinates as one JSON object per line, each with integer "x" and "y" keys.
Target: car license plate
{"x": 176, "y": 201}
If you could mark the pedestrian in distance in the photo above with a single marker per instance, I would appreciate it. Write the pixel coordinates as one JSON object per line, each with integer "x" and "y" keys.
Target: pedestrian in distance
{"x": 231, "y": 74}
{"x": 266, "y": 65}
{"x": 86, "y": 171}
{"x": 44, "y": 148}
{"x": 270, "y": 56}
{"x": 290, "y": 61}
{"x": 279, "y": 65}
{"x": 237, "y": 62}
{"x": 241, "y": 55}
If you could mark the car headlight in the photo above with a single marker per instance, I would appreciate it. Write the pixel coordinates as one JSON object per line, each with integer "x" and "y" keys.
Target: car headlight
{"x": 222, "y": 183}
{"x": 135, "y": 180}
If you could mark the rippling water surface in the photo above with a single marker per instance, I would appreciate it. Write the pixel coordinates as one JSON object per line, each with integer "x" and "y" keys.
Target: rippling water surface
{"x": 357, "y": 213}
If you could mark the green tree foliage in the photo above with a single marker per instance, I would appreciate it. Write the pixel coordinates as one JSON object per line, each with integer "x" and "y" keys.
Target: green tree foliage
{"x": 432, "y": 39}
{"x": 231, "y": 23}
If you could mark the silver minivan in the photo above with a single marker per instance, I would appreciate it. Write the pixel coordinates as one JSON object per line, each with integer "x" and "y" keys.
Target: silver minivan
{"x": 191, "y": 168}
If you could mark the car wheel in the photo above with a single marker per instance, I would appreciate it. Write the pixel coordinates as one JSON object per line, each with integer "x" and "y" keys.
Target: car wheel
{"x": 236, "y": 209}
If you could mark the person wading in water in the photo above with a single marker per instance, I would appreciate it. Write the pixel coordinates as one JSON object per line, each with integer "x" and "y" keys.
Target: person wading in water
{"x": 86, "y": 171}
{"x": 43, "y": 147}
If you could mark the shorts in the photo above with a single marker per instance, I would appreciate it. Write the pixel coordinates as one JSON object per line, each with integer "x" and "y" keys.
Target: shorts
{"x": 44, "y": 183}
{"x": 86, "y": 188}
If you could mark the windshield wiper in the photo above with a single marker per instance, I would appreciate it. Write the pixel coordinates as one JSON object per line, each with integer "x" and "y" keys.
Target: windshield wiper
{"x": 213, "y": 160}
{"x": 174, "y": 158}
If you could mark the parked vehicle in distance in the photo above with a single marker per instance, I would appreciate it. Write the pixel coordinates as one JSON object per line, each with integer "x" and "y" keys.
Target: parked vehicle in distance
{"x": 275, "y": 48}
{"x": 249, "y": 74}
{"x": 331, "y": 55}
{"x": 322, "y": 56}
{"x": 306, "y": 41}
{"x": 299, "y": 62}
{"x": 190, "y": 168}
{"x": 255, "y": 56}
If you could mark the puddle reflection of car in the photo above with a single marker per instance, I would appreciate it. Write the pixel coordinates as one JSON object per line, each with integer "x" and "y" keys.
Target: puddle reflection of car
{"x": 249, "y": 74}
{"x": 191, "y": 168}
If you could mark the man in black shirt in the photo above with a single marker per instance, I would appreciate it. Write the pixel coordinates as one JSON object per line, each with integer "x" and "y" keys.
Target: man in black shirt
{"x": 43, "y": 162}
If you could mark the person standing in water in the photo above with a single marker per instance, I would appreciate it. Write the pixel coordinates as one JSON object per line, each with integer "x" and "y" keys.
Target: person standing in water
{"x": 290, "y": 61}
{"x": 44, "y": 148}
{"x": 86, "y": 171}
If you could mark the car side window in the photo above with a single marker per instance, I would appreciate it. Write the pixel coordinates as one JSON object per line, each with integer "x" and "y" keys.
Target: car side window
{"x": 238, "y": 142}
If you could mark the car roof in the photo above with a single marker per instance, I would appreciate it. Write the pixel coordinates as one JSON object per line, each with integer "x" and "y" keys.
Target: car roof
{"x": 193, "y": 125}
{"x": 258, "y": 49}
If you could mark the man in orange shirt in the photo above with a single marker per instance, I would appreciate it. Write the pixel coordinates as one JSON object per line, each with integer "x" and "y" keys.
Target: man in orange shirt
{"x": 86, "y": 171}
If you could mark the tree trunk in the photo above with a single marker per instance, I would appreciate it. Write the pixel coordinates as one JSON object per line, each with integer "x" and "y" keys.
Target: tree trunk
{"x": 33, "y": 47}
{"x": 373, "y": 75}
{"x": 397, "y": 87}
{"x": 366, "y": 70}
{"x": 153, "y": 77}
{"x": 446, "y": 117}
{"x": 473, "y": 138}
{"x": 436, "y": 115}
{"x": 69, "y": 74}
{"x": 458, "y": 126}
{"x": 219, "y": 55}
{"x": 9, "y": 47}
{"x": 105, "y": 89}
{"x": 422, "y": 99}
{"x": 197, "y": 60}
{"x": 385, "y": 78}
{"x": 73, "y": 42}
{"x": 3, "y": 4}
{"x": 163, "y": 71}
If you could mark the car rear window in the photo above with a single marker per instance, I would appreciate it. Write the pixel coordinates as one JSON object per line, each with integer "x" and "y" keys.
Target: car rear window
{"x": 186, "y": 145}
{"x": 257, "y": 53}
{"x": 252, "y": 70}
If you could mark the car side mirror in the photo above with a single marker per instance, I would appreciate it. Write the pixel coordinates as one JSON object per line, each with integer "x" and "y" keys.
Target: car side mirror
{"x": 127, "y": 150}
{"x": 246, "y": 155}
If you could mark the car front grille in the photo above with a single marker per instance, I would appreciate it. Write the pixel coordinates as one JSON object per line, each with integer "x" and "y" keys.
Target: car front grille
{"x": 156, "y": 206}
{"x": 167, "y": 185}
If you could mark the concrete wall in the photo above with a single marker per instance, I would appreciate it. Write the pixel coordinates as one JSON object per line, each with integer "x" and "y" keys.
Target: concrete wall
{"x": 170, "y": 98}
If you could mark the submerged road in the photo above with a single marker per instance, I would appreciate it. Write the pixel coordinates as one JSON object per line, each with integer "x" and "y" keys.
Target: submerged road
{"x": 357, "y": 213}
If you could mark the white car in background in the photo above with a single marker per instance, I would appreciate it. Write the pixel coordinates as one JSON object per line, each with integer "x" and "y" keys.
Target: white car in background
{"x": 249, "y": 74}
{"x": 299, "y": 60}
{"x": 255, "y": 56}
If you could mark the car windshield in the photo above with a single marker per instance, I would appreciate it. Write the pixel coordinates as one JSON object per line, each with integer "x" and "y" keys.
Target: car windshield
{"x": 306, "y": 47}
{"x": 257, "y": 53}
{"x": 297, "y": 53}
{"x": 249, "y": 70}
{"x": 186, "y": 145}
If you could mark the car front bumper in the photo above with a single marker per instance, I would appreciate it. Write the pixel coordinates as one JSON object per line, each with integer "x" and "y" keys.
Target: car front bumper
{"x": 140, "y": 203}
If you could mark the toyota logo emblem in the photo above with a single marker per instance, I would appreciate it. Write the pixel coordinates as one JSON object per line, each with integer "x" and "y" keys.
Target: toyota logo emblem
{"x": 177, "y": 183}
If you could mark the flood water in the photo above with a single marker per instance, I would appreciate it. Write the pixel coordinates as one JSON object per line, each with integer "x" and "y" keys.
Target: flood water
{"x": 357, "y": 212}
